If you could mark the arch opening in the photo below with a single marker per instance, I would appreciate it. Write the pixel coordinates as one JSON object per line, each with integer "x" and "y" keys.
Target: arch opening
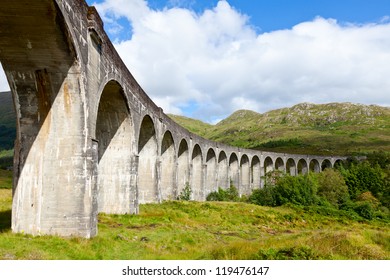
{"x": 291, "y": 168}
{"x": 211, "y": 171}
{"x": 183, "y": 167}
{"x": 279, "y": 164}
{"x": 234, "y": 170}
{"x": 197, "y": 174}
{"x": 268, "y": 165}
{"x": 255, "y": 173}
{"x": 314, "y": 166}
{"x": 114, "y": 133}
{"x": 244, "y": 187}
{"x": 168, "y": 167}
{"x": 302, "y": 167}
{"x": 147, "y": 152}
{"x": 223, "y": 178}
{"x": 326, "y": 164}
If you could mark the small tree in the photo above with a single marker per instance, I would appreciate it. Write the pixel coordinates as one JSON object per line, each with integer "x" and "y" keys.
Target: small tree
{"x": 186, "y": 193}
{"x": 332, "y": 187}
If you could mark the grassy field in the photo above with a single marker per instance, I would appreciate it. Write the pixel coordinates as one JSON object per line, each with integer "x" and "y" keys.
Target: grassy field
{"x": 207, "y": 230}
{"x": 5, "y": 179}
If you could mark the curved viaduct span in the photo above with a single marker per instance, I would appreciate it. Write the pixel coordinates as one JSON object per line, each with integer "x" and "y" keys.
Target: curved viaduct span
{"x": 90, "y": 140}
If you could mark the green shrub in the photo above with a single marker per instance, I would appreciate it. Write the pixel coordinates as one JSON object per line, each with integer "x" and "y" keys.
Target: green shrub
{"x": 289, "y": 253}
{"x": 299, "y": 190}
{"x": 363, "y": 177}
{"x": 365, "y": 210}
{"x": 332, "y": 187}
{"x": 231, "y": 194}
{"x": 264, "y": 196}
{"x": 186, "y": 193}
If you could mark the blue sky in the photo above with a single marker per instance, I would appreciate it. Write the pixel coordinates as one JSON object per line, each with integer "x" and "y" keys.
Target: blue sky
{"x": 206, "y": 59}
{"x": 270, "y": 15}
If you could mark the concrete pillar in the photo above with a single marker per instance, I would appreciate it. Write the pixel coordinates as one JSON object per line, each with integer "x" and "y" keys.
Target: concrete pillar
{"x": 55, "y": 173}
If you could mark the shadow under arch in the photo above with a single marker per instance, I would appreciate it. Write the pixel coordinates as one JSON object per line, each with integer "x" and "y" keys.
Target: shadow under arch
{"x": 234, "y": 170}
{"x": 167, "y": 167}
{"x": 223, "y": 178}
{"x": 114, "y": 134}
{"x": 291, "y": 168}
{"x": 314, "y": 166}
{"x": 211, "y": 172}
{"x": 255, "y": 173}
{"x": 302, "y": 167}
{"x": 197, "y": 174}
{"x": 245, "y": 171}
{"x": 147, "y": 169}
{"x": 183, "y": 167}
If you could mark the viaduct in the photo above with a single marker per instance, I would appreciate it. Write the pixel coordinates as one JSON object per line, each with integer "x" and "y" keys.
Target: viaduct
{"x": 90, "y": 140}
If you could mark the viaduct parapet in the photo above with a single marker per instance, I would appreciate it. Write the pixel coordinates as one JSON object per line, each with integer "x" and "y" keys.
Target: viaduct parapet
{"x": 90, "y": 140}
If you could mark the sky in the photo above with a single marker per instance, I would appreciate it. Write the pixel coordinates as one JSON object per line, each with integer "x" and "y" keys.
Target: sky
{"x": 206, "y": 59}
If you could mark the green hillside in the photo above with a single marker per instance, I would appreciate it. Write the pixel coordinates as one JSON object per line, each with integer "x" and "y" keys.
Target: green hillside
{"x": 334, "y": 128}
{"x": 7, "y": 121}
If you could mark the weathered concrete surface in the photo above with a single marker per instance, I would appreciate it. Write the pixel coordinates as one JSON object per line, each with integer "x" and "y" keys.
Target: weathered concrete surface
{"x": 90, "y": 140}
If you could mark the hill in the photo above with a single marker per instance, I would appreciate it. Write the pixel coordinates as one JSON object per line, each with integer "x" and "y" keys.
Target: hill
{"x": 7, "y": 121}
{"x": 325, "y": 129}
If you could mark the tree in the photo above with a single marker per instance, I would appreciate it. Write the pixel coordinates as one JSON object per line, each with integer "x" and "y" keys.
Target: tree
{"x": 332, "y": 186}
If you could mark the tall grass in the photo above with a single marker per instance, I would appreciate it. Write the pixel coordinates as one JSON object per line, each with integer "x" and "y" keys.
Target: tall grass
{"x": 206, "y": 230}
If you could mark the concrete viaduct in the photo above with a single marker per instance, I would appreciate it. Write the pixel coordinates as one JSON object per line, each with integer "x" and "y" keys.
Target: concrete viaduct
{"x": 90, "y": 140}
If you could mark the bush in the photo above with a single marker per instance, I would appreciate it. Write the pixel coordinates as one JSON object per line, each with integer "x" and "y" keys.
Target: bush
{"x": 364, "y": 177}
{"x": 332, "y": 187}
{"x": 185, "y": 194}
{"x": 365, "y": 210}
{"x": 231, "y": 194}
{"x": 298, "y": 190}
{"x": 264, "y": 196}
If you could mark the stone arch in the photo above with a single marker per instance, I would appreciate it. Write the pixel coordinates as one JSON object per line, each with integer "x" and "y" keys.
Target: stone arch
{"x": 244, "y": 187}
{"x": 182, "y": 166}
{"x": 314, "y": 166}
{"x": 337, "y": 163}
{"x": 223, "y": 177}
{"x": 255, "y": 173}
{"x": 211, "y": 171}
{"x": 268, "y": 165}
{"x": 147, "y": 152}
{"x": 291, "y": 168}
{"x": 302, "y": 166}
{"x": 326, "y": 164}
{"x": 197, "y": 174}
{"x": 167, "y": 167}
{"x": 279, "y": 164}
{"x": 234, "y": 170}
{"x": 114, "y": 134}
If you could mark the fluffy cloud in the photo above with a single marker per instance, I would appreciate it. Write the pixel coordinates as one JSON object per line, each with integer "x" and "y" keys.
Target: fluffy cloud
{"x": 208, "y": 64}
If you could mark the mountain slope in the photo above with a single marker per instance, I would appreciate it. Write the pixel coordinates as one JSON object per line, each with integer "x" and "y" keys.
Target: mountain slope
{"x": 334, "y": 128}
{"x": 7, "y": 121}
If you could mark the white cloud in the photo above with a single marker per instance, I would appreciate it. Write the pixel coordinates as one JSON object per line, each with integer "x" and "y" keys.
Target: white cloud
{"x": 211, "y": 63}
{"x": 217, "y": 61}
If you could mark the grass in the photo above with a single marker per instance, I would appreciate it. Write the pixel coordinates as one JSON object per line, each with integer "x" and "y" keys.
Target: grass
{"x": 5, "y": 179}
{"x": 206, "y": 230}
